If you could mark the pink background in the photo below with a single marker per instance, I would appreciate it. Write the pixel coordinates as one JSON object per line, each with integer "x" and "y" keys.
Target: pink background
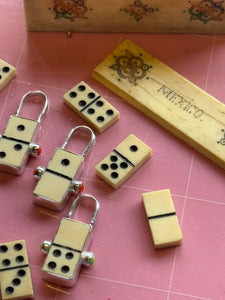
{"x": 127, "y": 267}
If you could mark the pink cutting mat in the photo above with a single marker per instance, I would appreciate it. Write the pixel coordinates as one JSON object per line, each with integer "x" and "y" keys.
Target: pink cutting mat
{"x": 127, "y": 267}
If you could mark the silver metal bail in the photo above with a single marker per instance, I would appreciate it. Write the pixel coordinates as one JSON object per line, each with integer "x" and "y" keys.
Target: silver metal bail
{"x": 75, "y": 203}
{"x": 34, "y": 95}
{"x": 76, "y": 130}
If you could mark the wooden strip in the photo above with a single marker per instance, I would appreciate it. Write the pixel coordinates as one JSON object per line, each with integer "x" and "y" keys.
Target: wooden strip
{"x": 177, "y": 16}
{"x": 167, "y": 97}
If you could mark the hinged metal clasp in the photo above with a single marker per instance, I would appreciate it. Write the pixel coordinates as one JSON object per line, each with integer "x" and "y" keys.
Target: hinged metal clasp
{"x": 59, "y": 179}
{"x": 68, "y": 251}
{"x": 76, "y": 130}
{"x": 75, "y": 203}
{"x": 31, "y": 96}
{"x": 18, "y": 138}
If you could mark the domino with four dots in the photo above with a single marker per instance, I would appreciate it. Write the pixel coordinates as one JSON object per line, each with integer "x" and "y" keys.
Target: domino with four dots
{"x": 7, "y": 72}
{"x": 90, "y": 106}
{"x": 123, "y": 161}
{"x": 162, "y": 219}
{"x": 15, "y": 276}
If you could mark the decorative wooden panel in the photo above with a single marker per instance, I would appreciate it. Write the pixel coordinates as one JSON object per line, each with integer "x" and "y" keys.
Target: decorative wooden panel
{"x": 159, "y": 16}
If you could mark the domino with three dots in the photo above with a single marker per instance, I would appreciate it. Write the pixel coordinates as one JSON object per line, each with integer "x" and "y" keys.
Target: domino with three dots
{"x": 15, "y": 276}
{"x": 123, "y": 161}
{"x": 90, "y": 106}
{"x": 7, "y": 72}
{"x": 162, "y": 219}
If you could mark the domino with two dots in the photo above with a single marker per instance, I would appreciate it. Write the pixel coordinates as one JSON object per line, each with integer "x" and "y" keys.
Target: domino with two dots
{"x": 7, "y": 72}
{"x": 90, "y": 106}
{"x": 162, "y": 219}
{"x": 15, "y": 276}
{"x": 123, "y": 161}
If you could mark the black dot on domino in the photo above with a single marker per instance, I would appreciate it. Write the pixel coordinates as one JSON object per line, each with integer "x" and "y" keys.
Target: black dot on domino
{"x": 65, "y": 269}
{"x": 133, "y": 148}
{"x": 51, "y": 265}
{"x": 73, "y": 94}
{"x": 6, "y": 262}
{"x": 81, "y": 88}
{"x": 20, "y": 127}
{"x": 9, "y": 290}
{"x": 114, "y": 158}
{"x": 3, "y": 248}
{"x": 104, "y": 167}
{"x": 18, "y": 247}
{"x": 100, "y": 119}
{"x": 91, "y": 95}
{"x": 123, "y": 165}
{"x": 99, "y": 103}
{"x": 82, "y": 103}
{"x": 91, "y": 111}
{"x": 114, "y": 166}
{"x": 109, "y": 112}
{"x": 18, "y": 147}
{"x": 6, "y": 70}
{"x": 69, "y": 255}
{"x": 114, "y": 175}
{"x": 21, "y": 273}
{"x": 2, "y": 155}
{"x": 65, "y": 162}
{"x": 57, "y": 253}
{"x": 19, "y": 259}
{"x": 16, "y": 281}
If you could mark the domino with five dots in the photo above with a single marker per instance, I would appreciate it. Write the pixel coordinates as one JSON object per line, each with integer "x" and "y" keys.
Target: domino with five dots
{"x": 7, "y": 72}
{"x": 90, "y": 106}
{"x": 162, "y": 219}
{"x": 15, "y": 276}
{"x": 123, "y": 161}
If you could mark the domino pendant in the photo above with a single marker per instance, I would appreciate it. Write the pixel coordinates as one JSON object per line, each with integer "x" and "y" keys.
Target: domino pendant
{"x": 57, "y": 181}
{"x": 90, "y": 106}
{"x": 167, "y": 97}
{"x": 123, "y": 161}
{"x": 18, "y": 139}
{"x": 15, "y": 275}
{"x": 7, "y": 72}
{"x": 162, "y": 219}
{"x": 68, "y": 250}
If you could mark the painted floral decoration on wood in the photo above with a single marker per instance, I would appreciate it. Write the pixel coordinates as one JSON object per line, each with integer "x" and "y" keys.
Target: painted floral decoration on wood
{"x": 138, "y": 9}
{"x": 70, "y": 9}
{"x": 130, "y": 67}
{"x": 206, "y": 10}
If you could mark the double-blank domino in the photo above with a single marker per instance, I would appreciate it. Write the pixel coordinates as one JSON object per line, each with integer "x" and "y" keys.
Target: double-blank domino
{"x": 91, "y": 107}
{"x": 162, "y": 219}
{"x": 7, "y": 72}
{"x": 123, "y": 161}
{"x": 15, "y": 277}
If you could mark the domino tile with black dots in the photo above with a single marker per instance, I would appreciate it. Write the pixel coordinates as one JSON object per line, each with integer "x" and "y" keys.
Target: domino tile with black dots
{"x": 90, "y": 106}
{"x": 7, "y": 72}
{"x": 15, "y": 275}
{"x": 123, "y": 161}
